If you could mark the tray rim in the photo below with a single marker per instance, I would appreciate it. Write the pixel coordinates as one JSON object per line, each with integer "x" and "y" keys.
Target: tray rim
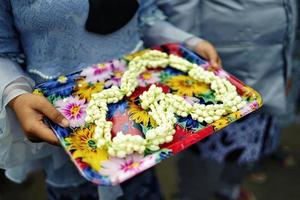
{"x": 184, "y": 144}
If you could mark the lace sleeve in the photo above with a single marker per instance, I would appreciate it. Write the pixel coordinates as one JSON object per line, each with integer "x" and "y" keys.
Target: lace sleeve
{"x": 18, "y": 58}
{"x": 11, "y": 57}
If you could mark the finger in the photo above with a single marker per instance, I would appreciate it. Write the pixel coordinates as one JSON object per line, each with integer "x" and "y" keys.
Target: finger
{"x": 208, "y": 52}
{"x": 46, "y": 108}
{"x": 40, "y": 132}
{"x": 219, "y": 62}
{"x": 213, "y": 57}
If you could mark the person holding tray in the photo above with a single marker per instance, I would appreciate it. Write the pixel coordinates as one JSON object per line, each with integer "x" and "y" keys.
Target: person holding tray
{"x": 40, "y": 40}
{"x": 254, "y": 39}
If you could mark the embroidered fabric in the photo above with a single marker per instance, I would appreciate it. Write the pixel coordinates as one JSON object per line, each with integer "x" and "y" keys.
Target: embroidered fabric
{"x": 244, "y": 141}
{"x": 18, "y": 58}
{"x": 60, "y": 44}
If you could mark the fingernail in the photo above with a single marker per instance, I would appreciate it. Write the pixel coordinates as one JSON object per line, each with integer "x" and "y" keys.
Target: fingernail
{"x": 65, "y": 122}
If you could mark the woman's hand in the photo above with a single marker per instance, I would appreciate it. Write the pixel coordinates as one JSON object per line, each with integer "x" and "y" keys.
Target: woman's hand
{"x": 206, "y": 50}
{"x": 31, "y": 109}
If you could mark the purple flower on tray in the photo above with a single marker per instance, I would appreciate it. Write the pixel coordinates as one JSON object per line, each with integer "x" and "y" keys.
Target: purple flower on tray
{"x": 149, "y": 77}
{"x": 98, "y": 72}
{"x": 121, "y": 169}
{"x": 73, "y": 109}
{"x": 119, "y": 67}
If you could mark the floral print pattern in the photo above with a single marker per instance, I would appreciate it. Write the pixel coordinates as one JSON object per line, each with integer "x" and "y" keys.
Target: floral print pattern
{"x": 83, "y": 146}
{"x": 140, "y": 116}
{"x": 73, "y": 109}
{"x": 128, "y": 167}
{"x": 185, "y": 85}
{"x": 149, "y": 77}
{"x": 99, "y": 72}
{"x": 119, "y": 66}
{"x": 71, "y": 94}
{"x": 85, "y": 89}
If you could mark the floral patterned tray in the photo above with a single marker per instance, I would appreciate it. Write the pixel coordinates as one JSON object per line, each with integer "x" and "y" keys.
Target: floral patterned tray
{"x": 70, "y": 94}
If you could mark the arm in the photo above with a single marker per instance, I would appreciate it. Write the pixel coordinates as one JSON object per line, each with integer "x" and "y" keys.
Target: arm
{"x": 10, "y": 55}
{"x": 156, "y": 30}
{"x": 155, "y": 27}
{"x": 15, "y": 87}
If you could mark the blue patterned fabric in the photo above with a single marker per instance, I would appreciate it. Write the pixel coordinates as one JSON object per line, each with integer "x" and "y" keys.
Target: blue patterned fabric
{"x": 144, "y": 186}
{"x": 245, "y": 141}
{"x": 59, "y": 44}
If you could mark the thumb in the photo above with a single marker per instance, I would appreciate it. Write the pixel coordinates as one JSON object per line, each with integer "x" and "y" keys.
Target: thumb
{"x": 46, "y": 108}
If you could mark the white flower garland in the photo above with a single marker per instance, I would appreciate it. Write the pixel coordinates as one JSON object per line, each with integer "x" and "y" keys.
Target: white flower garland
{"x": 162, "y": 107}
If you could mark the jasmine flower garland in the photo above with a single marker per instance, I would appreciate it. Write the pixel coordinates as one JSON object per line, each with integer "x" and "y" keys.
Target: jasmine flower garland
{"x": 162, "y": 107}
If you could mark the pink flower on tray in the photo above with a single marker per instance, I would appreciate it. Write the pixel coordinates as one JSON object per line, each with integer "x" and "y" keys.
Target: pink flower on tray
{"x": 114, "y": 81}
{"x": 191, "y": 100}
{"x": 120, "y": 170}
{"x": 221, "y": 73}
{"x": 98, "y": 72}
{"x": 119, "y": 67}
{"x": 73, "y": 109}
{"x": 149, "y": 77}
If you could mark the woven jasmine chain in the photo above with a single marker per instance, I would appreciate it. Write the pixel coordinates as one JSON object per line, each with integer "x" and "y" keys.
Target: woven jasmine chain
{"x": 96, "y": 111}
{"x": 163, "y": 114}
{"x": 154, "y": 55}
{"x": 111, "y": 95}
{"x": 162, "y": 107}
{"x": 153, "y": 59}
{"x": 159, "y": 63}
{"x": 157, "y": 138}
{"x": 207, "y": 113}
{"x": 224, "y": 91}
{"x": 180, "y": 63}
{"x": 103, "y": 133}
{"x": 123, "y": 145}
{"x": 154, "y": 94}
{"x": 179, "y": 105}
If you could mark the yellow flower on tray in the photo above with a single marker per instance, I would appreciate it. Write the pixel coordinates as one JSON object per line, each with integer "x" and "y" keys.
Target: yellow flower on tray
{"x": 38, "y": 91}
{"x": 234, "y": 116}
{"x": 84, "y": 146}
{"x": 140, "y": 116}
{"x": 219, "y": 124}
{"x": 185, "y": 85}
{"x": 85, "y": 90}
{"x": 132, "y": 56}
{"x": 62, "y": 79}
{"x": 251, "y": 95}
